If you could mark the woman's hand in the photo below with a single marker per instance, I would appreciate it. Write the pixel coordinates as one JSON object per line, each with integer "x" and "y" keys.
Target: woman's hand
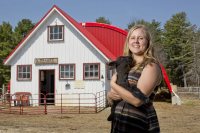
{"x": 112, "y": 95}
{"x": 113, "y": 79}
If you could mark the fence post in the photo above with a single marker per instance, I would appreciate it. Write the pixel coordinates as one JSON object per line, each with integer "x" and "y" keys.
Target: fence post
{"x": 104, "y": 98}
{"x": 61, "y": 103}
{"x": 3, "y": 89}
{"x": 20, "y": 104}
{"x": 199, "y": 92}
{"x": 96, "y": 103}
{"x": 10, "y": 100}
{"x": 45, "y": 105}
{"x": 79, "y": 102}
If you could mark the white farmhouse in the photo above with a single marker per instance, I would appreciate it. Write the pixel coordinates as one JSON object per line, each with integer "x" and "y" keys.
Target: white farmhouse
{"x": 62, "y": 56}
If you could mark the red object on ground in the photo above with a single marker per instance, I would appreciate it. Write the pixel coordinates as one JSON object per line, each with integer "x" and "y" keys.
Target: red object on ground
{"x": 22, "y": 98}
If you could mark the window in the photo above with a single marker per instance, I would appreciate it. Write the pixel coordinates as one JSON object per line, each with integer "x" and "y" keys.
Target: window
{"x": 67, "y": 71}
{"x": 91, "y": 71}
{"x": 56, "y": 33}
{"x": 24, "y": 72}
{"x": 110, "y": 73}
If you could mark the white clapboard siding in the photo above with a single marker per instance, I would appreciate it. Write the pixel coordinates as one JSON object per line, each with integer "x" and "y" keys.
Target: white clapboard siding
{"x": 75, "y": 49}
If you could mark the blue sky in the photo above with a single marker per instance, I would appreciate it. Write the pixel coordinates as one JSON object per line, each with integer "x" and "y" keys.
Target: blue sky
{"x": 119, "y": 12}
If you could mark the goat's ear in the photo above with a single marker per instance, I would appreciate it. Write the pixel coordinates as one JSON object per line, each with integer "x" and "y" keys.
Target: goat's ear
{"x": 112, "y": 64}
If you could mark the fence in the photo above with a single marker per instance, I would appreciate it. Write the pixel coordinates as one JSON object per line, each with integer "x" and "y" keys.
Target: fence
{"x": 192, "y": 91}
{"x": 26, "y": 103}
{"x": 3, "y": 90}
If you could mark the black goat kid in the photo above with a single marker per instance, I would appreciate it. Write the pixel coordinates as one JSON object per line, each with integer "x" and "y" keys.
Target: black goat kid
{"x": 123, "y": 65}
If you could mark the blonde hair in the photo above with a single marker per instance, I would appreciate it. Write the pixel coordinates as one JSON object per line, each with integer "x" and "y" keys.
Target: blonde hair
{"x": 148, "y": 54}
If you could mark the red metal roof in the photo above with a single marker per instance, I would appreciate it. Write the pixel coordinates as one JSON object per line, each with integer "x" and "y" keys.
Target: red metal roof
{"x": 111, "y": 37}
{"x": 108, "y": 39}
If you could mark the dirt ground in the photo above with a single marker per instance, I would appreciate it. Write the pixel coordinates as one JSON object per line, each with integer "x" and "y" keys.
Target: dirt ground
{"x": 173, "y": 119}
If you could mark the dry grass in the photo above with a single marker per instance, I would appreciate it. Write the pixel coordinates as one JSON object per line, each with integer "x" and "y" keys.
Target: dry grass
{"x": 172, "y": 118}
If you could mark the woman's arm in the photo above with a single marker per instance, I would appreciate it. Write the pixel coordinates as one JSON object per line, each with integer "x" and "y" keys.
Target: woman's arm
{"x": 149, "y": 79}
{"x": 112, "y": 95}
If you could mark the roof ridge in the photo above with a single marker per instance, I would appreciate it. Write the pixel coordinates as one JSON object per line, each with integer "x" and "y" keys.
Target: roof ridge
{"x": 112, "y": 27}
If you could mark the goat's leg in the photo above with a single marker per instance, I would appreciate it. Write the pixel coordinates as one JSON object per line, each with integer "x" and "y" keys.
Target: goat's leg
{"x": 111, "y": 116}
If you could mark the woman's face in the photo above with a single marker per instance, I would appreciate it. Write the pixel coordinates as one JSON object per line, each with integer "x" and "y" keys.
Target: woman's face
{"x": 137, "y": 42}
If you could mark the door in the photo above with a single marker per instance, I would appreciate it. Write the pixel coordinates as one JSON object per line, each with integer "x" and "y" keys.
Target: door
{"x": 47, "y": 87}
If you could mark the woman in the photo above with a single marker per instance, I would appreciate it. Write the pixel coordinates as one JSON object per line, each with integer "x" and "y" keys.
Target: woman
{"x": 135, "y": 113}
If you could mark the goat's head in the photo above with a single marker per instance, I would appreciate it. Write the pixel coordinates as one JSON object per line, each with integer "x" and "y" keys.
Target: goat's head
{"x": 122, "y": 64}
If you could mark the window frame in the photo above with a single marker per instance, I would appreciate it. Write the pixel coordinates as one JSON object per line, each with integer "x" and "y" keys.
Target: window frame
{"x": 67, "y": 78}
{"x": 49, "y": 34}
{"x": 91, "y": 78}
{"x": 26, "y": 72}
{"x": 110, "y": 72}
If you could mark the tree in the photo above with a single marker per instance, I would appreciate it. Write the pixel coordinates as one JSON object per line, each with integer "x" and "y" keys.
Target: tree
{"x": 177, "y": 44}
{"x": 103, "y": 20}
{"x": 6, "y": 45}
{"x": 194, "y": 75}
{"x": 8, "y": 41}
{"x": 22, "y": 29}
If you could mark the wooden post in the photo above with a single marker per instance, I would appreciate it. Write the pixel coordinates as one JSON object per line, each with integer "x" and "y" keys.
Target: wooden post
{"x": 175, "y": 98}
{"x": 45, "y": 105}
{"x": 3, "y": 89}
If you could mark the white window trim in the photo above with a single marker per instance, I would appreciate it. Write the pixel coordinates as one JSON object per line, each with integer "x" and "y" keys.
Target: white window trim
{"x": 91, "y": 78}
{"x": 49, "y": 36}
{"x": 69, "y": 72}
{"x": 24, "y": 79}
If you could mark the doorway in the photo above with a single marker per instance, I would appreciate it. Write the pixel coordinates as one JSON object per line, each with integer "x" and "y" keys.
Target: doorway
{"x": 47, "y": 86}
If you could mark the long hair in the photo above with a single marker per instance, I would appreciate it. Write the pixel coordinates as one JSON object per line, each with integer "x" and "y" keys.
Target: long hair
{"x": 148, "y": 54}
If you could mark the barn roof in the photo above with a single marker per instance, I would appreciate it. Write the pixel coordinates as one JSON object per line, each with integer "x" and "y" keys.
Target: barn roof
{"x": 107, "y": 39}
{"x": 110, "y": 36}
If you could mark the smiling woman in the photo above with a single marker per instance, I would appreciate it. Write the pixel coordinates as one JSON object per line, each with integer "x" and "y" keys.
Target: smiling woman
{"x": 136, "y": 112}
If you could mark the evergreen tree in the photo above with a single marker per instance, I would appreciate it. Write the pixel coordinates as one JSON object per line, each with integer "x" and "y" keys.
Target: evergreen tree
{"x": 103, "y": 20}
{"x": 22, "y": 29}
{"x": 177, "y": 45}
{"x": 6, "y": 45}
{"x": 194, "y": 75}
{"x": 8, "y": 41}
